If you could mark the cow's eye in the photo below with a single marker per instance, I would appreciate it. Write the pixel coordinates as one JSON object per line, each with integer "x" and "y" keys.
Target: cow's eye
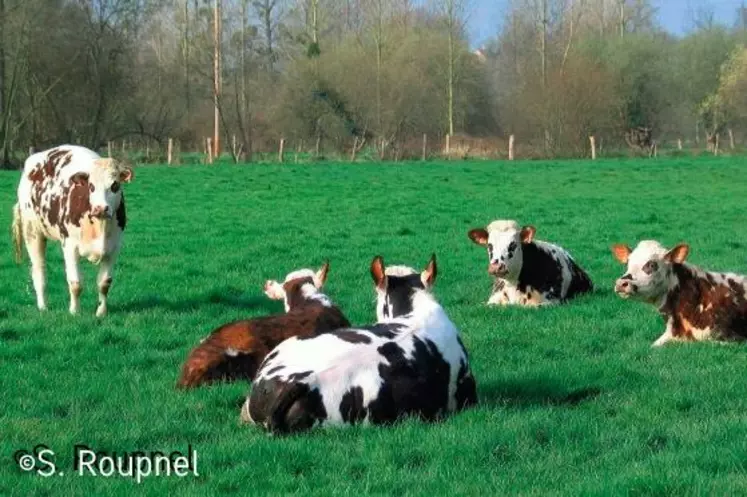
{"x": 650, "y": 267}
{"x": 91, "y": 187}
{"x": 115, "y": 187}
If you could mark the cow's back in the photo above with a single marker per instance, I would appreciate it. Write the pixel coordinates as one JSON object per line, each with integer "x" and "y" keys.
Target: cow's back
{"x": 550, "y": 269}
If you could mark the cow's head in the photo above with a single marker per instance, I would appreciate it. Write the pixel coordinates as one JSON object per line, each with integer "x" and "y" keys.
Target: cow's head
{"x": 504, "y": 240}
{"x": 298, "y": 286}
{"x": 649, "y": 269}
{"x": 105, "y": 185}
{"x": 397, "y": 285}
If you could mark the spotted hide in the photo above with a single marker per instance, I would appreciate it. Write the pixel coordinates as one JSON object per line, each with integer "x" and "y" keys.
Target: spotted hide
{"x": 71, "y": 195}
{"x": 235, "y": 350}
{"x": 526, "y": 271}
{"x": 695, "y": 304}
{"x": 411, "y": 363}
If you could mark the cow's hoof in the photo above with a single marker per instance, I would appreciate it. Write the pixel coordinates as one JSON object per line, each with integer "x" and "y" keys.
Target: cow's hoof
{"x": 74, "y": 311}
{"x": 100, "y": 311}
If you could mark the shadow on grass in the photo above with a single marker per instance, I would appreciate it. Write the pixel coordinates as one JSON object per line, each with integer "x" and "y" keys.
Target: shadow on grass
{"x": 227, "y": 298}
{"x": 534, "y": 393}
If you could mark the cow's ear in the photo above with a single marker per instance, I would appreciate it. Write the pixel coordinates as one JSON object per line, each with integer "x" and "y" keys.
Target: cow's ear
{"x": 678, "y": 254}
{"x": 527, "y": 234}
{"x": 621, "y": 252}
{"x": 126, "y": 175}
{"x": 321, "y": 276}
{"x": 274, "y": 290}
{"x": 79, "y": 178}
{"x": 479, "y": 236}
{"x": 378, "y": 273}
{"x": 428, "y": 276}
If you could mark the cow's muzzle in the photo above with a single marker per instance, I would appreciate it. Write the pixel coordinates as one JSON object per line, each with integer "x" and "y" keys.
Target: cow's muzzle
{"x": 101, "y": 212}
{"x": 625, "y": 288}
{"x": 498, "y": 270}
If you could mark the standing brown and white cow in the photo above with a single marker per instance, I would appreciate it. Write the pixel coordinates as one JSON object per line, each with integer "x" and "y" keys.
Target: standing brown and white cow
{"x": 72, "y": 195}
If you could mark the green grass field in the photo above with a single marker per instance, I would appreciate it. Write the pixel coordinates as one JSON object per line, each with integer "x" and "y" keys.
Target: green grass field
{"x": 572, "y": 399}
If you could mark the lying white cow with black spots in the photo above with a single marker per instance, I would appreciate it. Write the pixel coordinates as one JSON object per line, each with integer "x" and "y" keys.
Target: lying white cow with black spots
{"x": 527, "y": 271}
{"x": 411, "y": 363}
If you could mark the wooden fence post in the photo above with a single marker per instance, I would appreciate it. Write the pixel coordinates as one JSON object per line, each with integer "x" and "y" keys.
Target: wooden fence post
{"x": 355, "y": 149}
{"x": 209, "y": 149}
{"x": 425, "y": 147}
{"x": 109, "y": 148}
{"x": 715, "y": 146}
{"x": 170, "y": 151}
{"x": 679, "y": 143}
{"x": 31, "y": 150}
{"x": 448, "y": 144}
{"x": 731, "y": 139}
{"x": 511, "y": 147}
{"x": 280, "y": 151}
{"x": 593, "y": 148}
{"x": 318, "y": 144}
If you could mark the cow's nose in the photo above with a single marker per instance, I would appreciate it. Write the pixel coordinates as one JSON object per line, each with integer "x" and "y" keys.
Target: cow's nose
{"x": 100, "y": 211}
{"x": 497, "y": 269}
{"x": 623, "y": 286}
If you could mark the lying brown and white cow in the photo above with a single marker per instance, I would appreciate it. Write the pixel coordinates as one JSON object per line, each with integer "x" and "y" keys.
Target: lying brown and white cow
{"x": 235, "y": 350}
{"x": 527, "y": 271}
{"x": 71, "y": 195}
{"x": 696, "y": 304}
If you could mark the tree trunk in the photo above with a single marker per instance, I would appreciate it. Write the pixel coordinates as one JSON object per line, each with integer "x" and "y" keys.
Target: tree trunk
{"x": 216, "y": 76}
{"x": 451, "y": 15}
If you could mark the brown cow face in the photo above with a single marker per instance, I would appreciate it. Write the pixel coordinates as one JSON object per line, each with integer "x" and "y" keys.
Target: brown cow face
{"x": 105, "y": 186}
{"x": 649, "y": 269}
{"x": 279, "y": 291}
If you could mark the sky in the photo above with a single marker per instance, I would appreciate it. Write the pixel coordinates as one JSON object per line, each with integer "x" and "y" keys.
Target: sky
{"x": 675, "y": 15}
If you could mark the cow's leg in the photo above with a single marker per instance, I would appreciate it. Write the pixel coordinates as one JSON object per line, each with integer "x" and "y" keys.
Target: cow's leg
{"x": 36, "y": 246}
{"x": 72, "y": 271}
{"x": 104, "y": 282}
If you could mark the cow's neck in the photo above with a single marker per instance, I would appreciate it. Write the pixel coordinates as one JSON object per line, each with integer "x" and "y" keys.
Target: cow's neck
{"x": 680, "y": 287}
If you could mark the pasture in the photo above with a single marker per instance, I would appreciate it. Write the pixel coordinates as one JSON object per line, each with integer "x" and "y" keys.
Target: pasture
{"x": 572, "y": 399}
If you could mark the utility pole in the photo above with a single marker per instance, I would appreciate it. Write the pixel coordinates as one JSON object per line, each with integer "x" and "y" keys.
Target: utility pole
{"x": 216, "y": 76}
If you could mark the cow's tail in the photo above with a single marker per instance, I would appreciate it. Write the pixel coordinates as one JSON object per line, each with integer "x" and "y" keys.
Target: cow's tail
{"x": 16, "y": 232}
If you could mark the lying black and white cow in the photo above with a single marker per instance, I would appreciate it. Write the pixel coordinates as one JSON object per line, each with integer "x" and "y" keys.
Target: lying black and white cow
{"x": 527, "y": 271}
{"x": 411, "y": 363}
{"x": 695, "y": 304}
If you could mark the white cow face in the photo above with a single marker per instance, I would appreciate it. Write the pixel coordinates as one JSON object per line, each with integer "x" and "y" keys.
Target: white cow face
{"x": 295, "y": 281}
{"x": 504, "y": 241}
{"x": 105, "y": 186}
{"x": 649, "y": 269}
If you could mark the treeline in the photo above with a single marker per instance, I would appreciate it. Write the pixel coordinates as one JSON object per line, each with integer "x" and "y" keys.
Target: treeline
{"x": 349, "y": 75}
